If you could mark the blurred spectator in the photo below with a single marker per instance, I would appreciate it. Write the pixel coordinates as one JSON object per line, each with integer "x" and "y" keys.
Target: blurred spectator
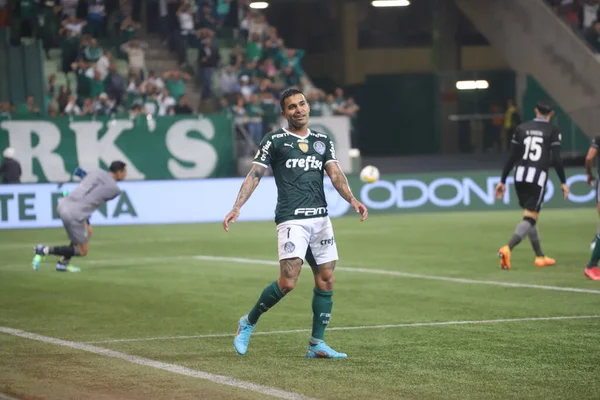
{"x": 92, "y": 52}
{"x": 115, "y": 84}
{"x": 88, "y": 108}
{"x": 339, "y": 98}
{"x": 236, "y": 58}
{"x": 166, "y": 103}
{"x": 186, "y": 29}
{"x": 50, "y": 90}
{"x": 207, "y": 18}
{"x": 511, "y": 120}
{"x": 255, "y": 113}
{"x": 254, "y": 48}
{"x": 52, "y": 111}
{"x": 72, "y": 108}
{"x": 63, "y": 98}
{"x": 103, "y": 105}
{"x": 315, "y": 99}
{"x": 183, "y": 107}
{"x": 245, "y": 88}
{"x": 96, "y": 18}
{"x": 49, "y": 22}
{"x": 592, "y": 35}
{"x": 26, "y": 13}
{"x": 136, "y": 54}
{"x": 351, "y": 109}
{"x": 175, "y": 83}
{"x": 97, "y": 85}
{"x": 229, "y": 80}
{"x": 103, "y": 64}
{"x": 128, "y": 30}
{"x": 291, "y": 58}
{"x": 29, "y": 108}
{"x": 69, "y": 8}
{"x": 5, "y": 110}
{"x": 73, "y": 25}
{"x": 83, "y": 84}
{"x": 208, "y": 60}
{"x": 257, "y": 24}
{"x": 70, "y": 50}
{"x": 10, "y": 169}
{"x": 223, "y": 9}
{"x": 155, "y": 80}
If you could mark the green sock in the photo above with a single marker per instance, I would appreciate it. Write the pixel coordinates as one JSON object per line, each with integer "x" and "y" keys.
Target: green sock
{"x": 321, "y": 305}
{"x": 268, "y": 298}
{"x": 595, "y": 254}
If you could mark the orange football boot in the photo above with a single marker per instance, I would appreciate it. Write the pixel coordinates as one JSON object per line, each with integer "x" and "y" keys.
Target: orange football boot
{"x": 504, "y": 254}
{"x": 544, "y": 261}
{"x": 592, "y": 273}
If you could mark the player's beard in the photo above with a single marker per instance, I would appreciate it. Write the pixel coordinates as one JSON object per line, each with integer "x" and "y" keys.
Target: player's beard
{"x": 296, "y": 125}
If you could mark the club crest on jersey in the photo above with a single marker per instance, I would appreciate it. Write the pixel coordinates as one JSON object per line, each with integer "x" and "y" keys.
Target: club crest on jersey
{"x": 319, "y": 147}
{"x": 303, "y": 145}
{"x": 289, "y": 247}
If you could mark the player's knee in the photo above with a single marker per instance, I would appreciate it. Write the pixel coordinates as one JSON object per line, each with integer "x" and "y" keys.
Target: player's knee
{"x": 325, "y": 278}
{"x": 286, "y": 285}
{"x": 325, "y": 283}
{"x": 83, "y": 251}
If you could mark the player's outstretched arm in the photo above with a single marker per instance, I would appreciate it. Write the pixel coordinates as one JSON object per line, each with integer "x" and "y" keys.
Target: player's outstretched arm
{"x": 340, "y": 183}
{"x": 250, "y": 183}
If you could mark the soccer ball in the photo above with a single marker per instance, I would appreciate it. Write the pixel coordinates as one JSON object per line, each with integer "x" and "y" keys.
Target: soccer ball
{"x": 369, "y": 174}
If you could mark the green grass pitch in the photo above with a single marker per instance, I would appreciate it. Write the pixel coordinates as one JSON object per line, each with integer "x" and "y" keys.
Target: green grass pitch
{"x": 145, "y": 282}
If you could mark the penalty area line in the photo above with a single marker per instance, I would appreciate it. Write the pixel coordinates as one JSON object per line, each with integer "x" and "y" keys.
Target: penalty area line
{"x": 354, "y": 328}
{"x": 173, "y": 368}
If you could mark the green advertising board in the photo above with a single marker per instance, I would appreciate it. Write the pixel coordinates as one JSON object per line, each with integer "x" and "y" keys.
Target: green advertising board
{"x": 460, "y": 191}
{"x": 174, "y": 147}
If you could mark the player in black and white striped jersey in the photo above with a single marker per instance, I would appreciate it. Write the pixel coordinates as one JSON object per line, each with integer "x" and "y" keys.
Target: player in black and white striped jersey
{"x": 535, "y": 148}
{"x": 591, "y": 270}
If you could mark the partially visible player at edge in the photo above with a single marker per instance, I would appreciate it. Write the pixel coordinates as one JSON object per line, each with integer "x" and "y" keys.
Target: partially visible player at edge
{"x": 535, "y": 147}
{"x": 304, "y": 231}
{"x": 591, "y": 270}
{"x": 96, "y": 188}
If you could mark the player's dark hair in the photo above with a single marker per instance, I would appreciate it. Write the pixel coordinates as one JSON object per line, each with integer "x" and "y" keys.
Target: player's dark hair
{"x": 288, "y": 93}
{"x": 117, "y": 166}
{"x": 543, "y": 107}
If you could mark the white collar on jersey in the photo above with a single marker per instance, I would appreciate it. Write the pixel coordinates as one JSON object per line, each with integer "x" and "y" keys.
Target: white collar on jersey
{"x": 540, "y": 120}
{"x": 298, "y": 136}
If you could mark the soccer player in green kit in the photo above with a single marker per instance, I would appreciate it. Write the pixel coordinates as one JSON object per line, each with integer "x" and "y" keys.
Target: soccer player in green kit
{"x": 298, "y": 157}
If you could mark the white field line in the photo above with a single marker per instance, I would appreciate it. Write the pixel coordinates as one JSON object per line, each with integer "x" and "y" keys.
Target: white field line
{"x": 173, "y": 368}
{"x": 238, "y": 260}
{"x": 408, "y": 275}
{"x": 5, "y": 245}
{"x": 7, "y": 397}
{"x": 354, "y": 328}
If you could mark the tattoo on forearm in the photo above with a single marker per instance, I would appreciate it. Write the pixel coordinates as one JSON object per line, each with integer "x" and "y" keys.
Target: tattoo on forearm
{"x": 340, "y": 183}
{"x": 250, "y": 183}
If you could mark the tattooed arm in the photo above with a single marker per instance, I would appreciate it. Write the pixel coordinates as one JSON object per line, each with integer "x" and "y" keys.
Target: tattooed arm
{"x": 340, "y": 183}
{"x": 250, "y": 183}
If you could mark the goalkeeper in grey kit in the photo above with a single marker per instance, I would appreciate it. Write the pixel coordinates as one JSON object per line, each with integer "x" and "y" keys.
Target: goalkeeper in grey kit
{"x": 96, "y": 188}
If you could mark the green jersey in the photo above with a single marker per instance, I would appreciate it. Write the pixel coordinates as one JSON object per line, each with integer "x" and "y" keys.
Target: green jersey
{"x": 298, "y": 164}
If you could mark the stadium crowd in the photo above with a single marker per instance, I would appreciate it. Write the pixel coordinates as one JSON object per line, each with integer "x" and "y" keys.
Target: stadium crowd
{"x": 92, "y": 36}
{"x": 583, "y": 16}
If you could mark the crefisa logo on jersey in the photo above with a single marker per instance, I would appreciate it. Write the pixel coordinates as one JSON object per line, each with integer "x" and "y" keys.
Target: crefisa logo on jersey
{"x": 319, "y": 147}
{"x": 303, "y": 145}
